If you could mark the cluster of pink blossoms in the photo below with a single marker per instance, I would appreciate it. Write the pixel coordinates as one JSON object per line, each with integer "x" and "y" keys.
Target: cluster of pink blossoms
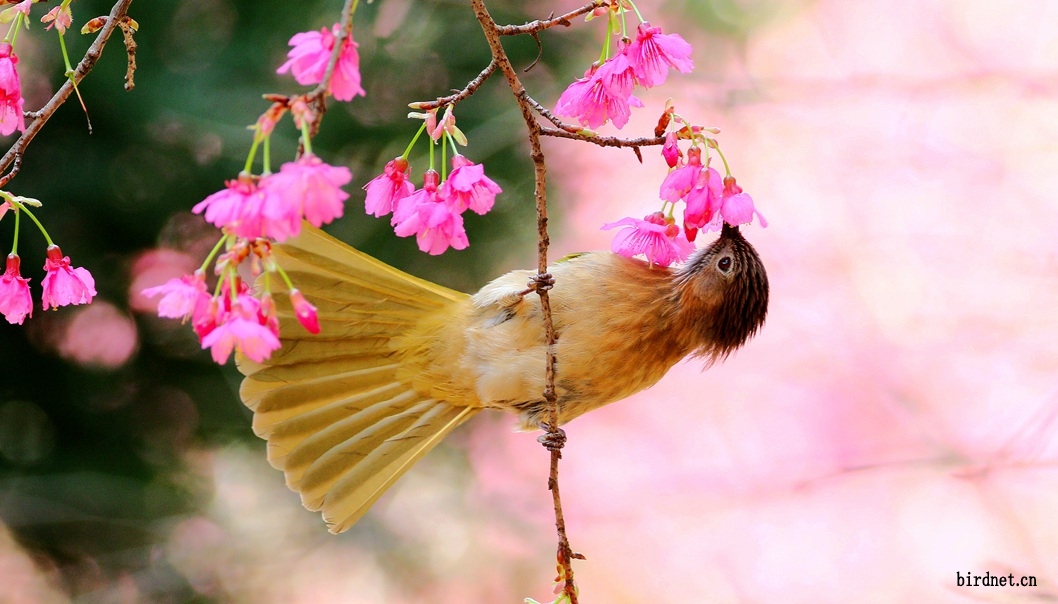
{"x": 434, "y": 213}
{"x": 605, "y": 92}
{"x": 307, "y": 62}
{"x": 232, "y": 319}
{"x": 253, "y": 211}
{"x": 62, "y": 285}
{"x": 710, "y": 200}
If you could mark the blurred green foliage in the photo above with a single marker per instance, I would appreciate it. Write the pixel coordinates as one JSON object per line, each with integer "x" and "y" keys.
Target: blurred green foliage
{"x": 91, "y": 459}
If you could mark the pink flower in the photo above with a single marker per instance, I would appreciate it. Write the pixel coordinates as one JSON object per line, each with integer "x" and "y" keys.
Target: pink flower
{"x": 237, "y": 207}
{"x": 4, "y": 207}
{"x": 242, "y": 328}
{"x": 305, "y": 312}
{"x": 64, "y": 285}
{"x": 306, "y": 188}
{"x": 181, "y": 297}
{"x": 681, "y": 180}
{"x": 23, "y": 7}
{"x": 15, "y": 302}
{"x": 61, "y": 17}
{"x": 654, "y": 237}
{"x": 737, "y": 207}
{"x": 387, "y": 188}
{"x": 670, "y": 150}
{"x": 652, "y": 53}
{"x": 468, "y": 187}
{"x": 703, "y": 200}
{"x": 11, "y": 100}
{"x": 603, "y": 94}
{"x": 435, "y": 224}
{"x": 308, "y": 59}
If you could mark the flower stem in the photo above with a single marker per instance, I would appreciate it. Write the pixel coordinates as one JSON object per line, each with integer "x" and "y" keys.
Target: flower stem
{"x": 305, "y": 137}
{"x": 12, "y": 32}
{"x": 14, "y": 246}
{"x": 23, "y": 208}
{"x": 283, "y": 274}
{"x": 266, "y": 157}
{"x": 455, "y": 149}
{"x": 444, "y": 157}
{"x": 606, "y": 43}
{"x": 413, "y": 141}
{"x": 213, "y": 252}
{"x": 727, "y": 168}
{"x": 432, "y": 145}
{"x": 252, "y": 154}
{"x": 636, "y": 9}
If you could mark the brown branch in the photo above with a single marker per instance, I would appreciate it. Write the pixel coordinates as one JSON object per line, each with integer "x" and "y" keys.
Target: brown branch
{"x": 605, "y": 141}
{"x": 127, "y": 31}
{"x": 451, "y": 99}
{"x": 40, "y": 117}
{"x": 555, "y": 437}
{"x": 540, "y": 25}
{"x": 564, "y": 130}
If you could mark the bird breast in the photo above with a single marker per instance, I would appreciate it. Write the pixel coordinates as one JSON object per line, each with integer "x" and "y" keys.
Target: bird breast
{"x": 616, "y": 336}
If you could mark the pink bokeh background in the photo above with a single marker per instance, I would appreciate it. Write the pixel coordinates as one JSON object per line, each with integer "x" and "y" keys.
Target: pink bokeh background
{"x": 892, "y": 425}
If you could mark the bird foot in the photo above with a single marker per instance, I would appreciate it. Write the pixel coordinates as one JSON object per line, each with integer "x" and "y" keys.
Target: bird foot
{"x": 552, "y": 439}
{"x": 542, "y": 282}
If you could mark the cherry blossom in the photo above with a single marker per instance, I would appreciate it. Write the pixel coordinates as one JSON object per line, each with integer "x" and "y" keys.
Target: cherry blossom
{"x": 311, "y": 53}
{"x": 11, "y": 100}
{"x": 304, "y": 311}
{"x": 16, "y": 303}
{"x": 386, "y": 189}
{"x": 435, "y": 224}
{"x": 652, "y": 53}
{"x": 468, "y": 187}
{"x": 64, "y": 285}
{"x": 656, "y": 237}
{"x": 180, "y": 297}
{"x": 307, "y": 188}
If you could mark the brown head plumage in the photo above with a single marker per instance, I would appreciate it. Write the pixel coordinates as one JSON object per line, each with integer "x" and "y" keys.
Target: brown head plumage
{"x": 723, "y": 291}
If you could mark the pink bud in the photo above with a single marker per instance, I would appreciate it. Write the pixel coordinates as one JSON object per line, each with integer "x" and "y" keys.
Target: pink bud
{"x": 671, "y": 151}
{"x": 430, "y": 180}
{"x": 305, "y": 312}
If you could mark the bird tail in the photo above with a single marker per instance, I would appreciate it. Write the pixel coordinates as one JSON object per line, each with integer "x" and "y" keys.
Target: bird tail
{"x": 339, "y": 421}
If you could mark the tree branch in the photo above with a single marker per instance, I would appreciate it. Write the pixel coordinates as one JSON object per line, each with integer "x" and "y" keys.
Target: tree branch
{"x": 41, "y": 117}
{"x": 540, "y": 25}
{"x": 499, "y": 55}
{"x": 461, "y": 94}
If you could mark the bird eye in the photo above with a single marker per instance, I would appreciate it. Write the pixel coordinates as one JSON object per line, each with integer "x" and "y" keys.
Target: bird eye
{"x": 724, "y": 264}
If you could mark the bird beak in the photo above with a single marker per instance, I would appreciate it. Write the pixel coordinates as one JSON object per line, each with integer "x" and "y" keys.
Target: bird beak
{"x": 729, "y": 232}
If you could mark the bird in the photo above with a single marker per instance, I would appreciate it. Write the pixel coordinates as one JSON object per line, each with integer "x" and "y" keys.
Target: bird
{"x": 400, "y": 361}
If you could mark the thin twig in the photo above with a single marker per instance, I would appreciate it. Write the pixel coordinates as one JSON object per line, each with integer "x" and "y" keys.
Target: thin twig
{"x": 130, "y": 48}
{"x": 39, "y": 118}
{"x": 605, "y": 141}
{"x": 540, "y": 25}
{"x": 460, "y": 95}
{"x": 564, "y": 130}
{"x": 492, "y": 35}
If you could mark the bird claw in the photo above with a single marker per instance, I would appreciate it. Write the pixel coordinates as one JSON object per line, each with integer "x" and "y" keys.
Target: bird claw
{"x": 541, "y": 282}
{"x": 553, "y": 440}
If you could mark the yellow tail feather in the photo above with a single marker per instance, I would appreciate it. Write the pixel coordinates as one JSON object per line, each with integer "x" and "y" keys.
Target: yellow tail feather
{"x": 341, "y": 420}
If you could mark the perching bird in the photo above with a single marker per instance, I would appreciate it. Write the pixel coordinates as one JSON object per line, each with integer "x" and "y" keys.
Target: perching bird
{"x": 399, "y": 361}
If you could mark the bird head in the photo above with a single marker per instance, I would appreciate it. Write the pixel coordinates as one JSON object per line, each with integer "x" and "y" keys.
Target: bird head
{"x": 722, "y": 294}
